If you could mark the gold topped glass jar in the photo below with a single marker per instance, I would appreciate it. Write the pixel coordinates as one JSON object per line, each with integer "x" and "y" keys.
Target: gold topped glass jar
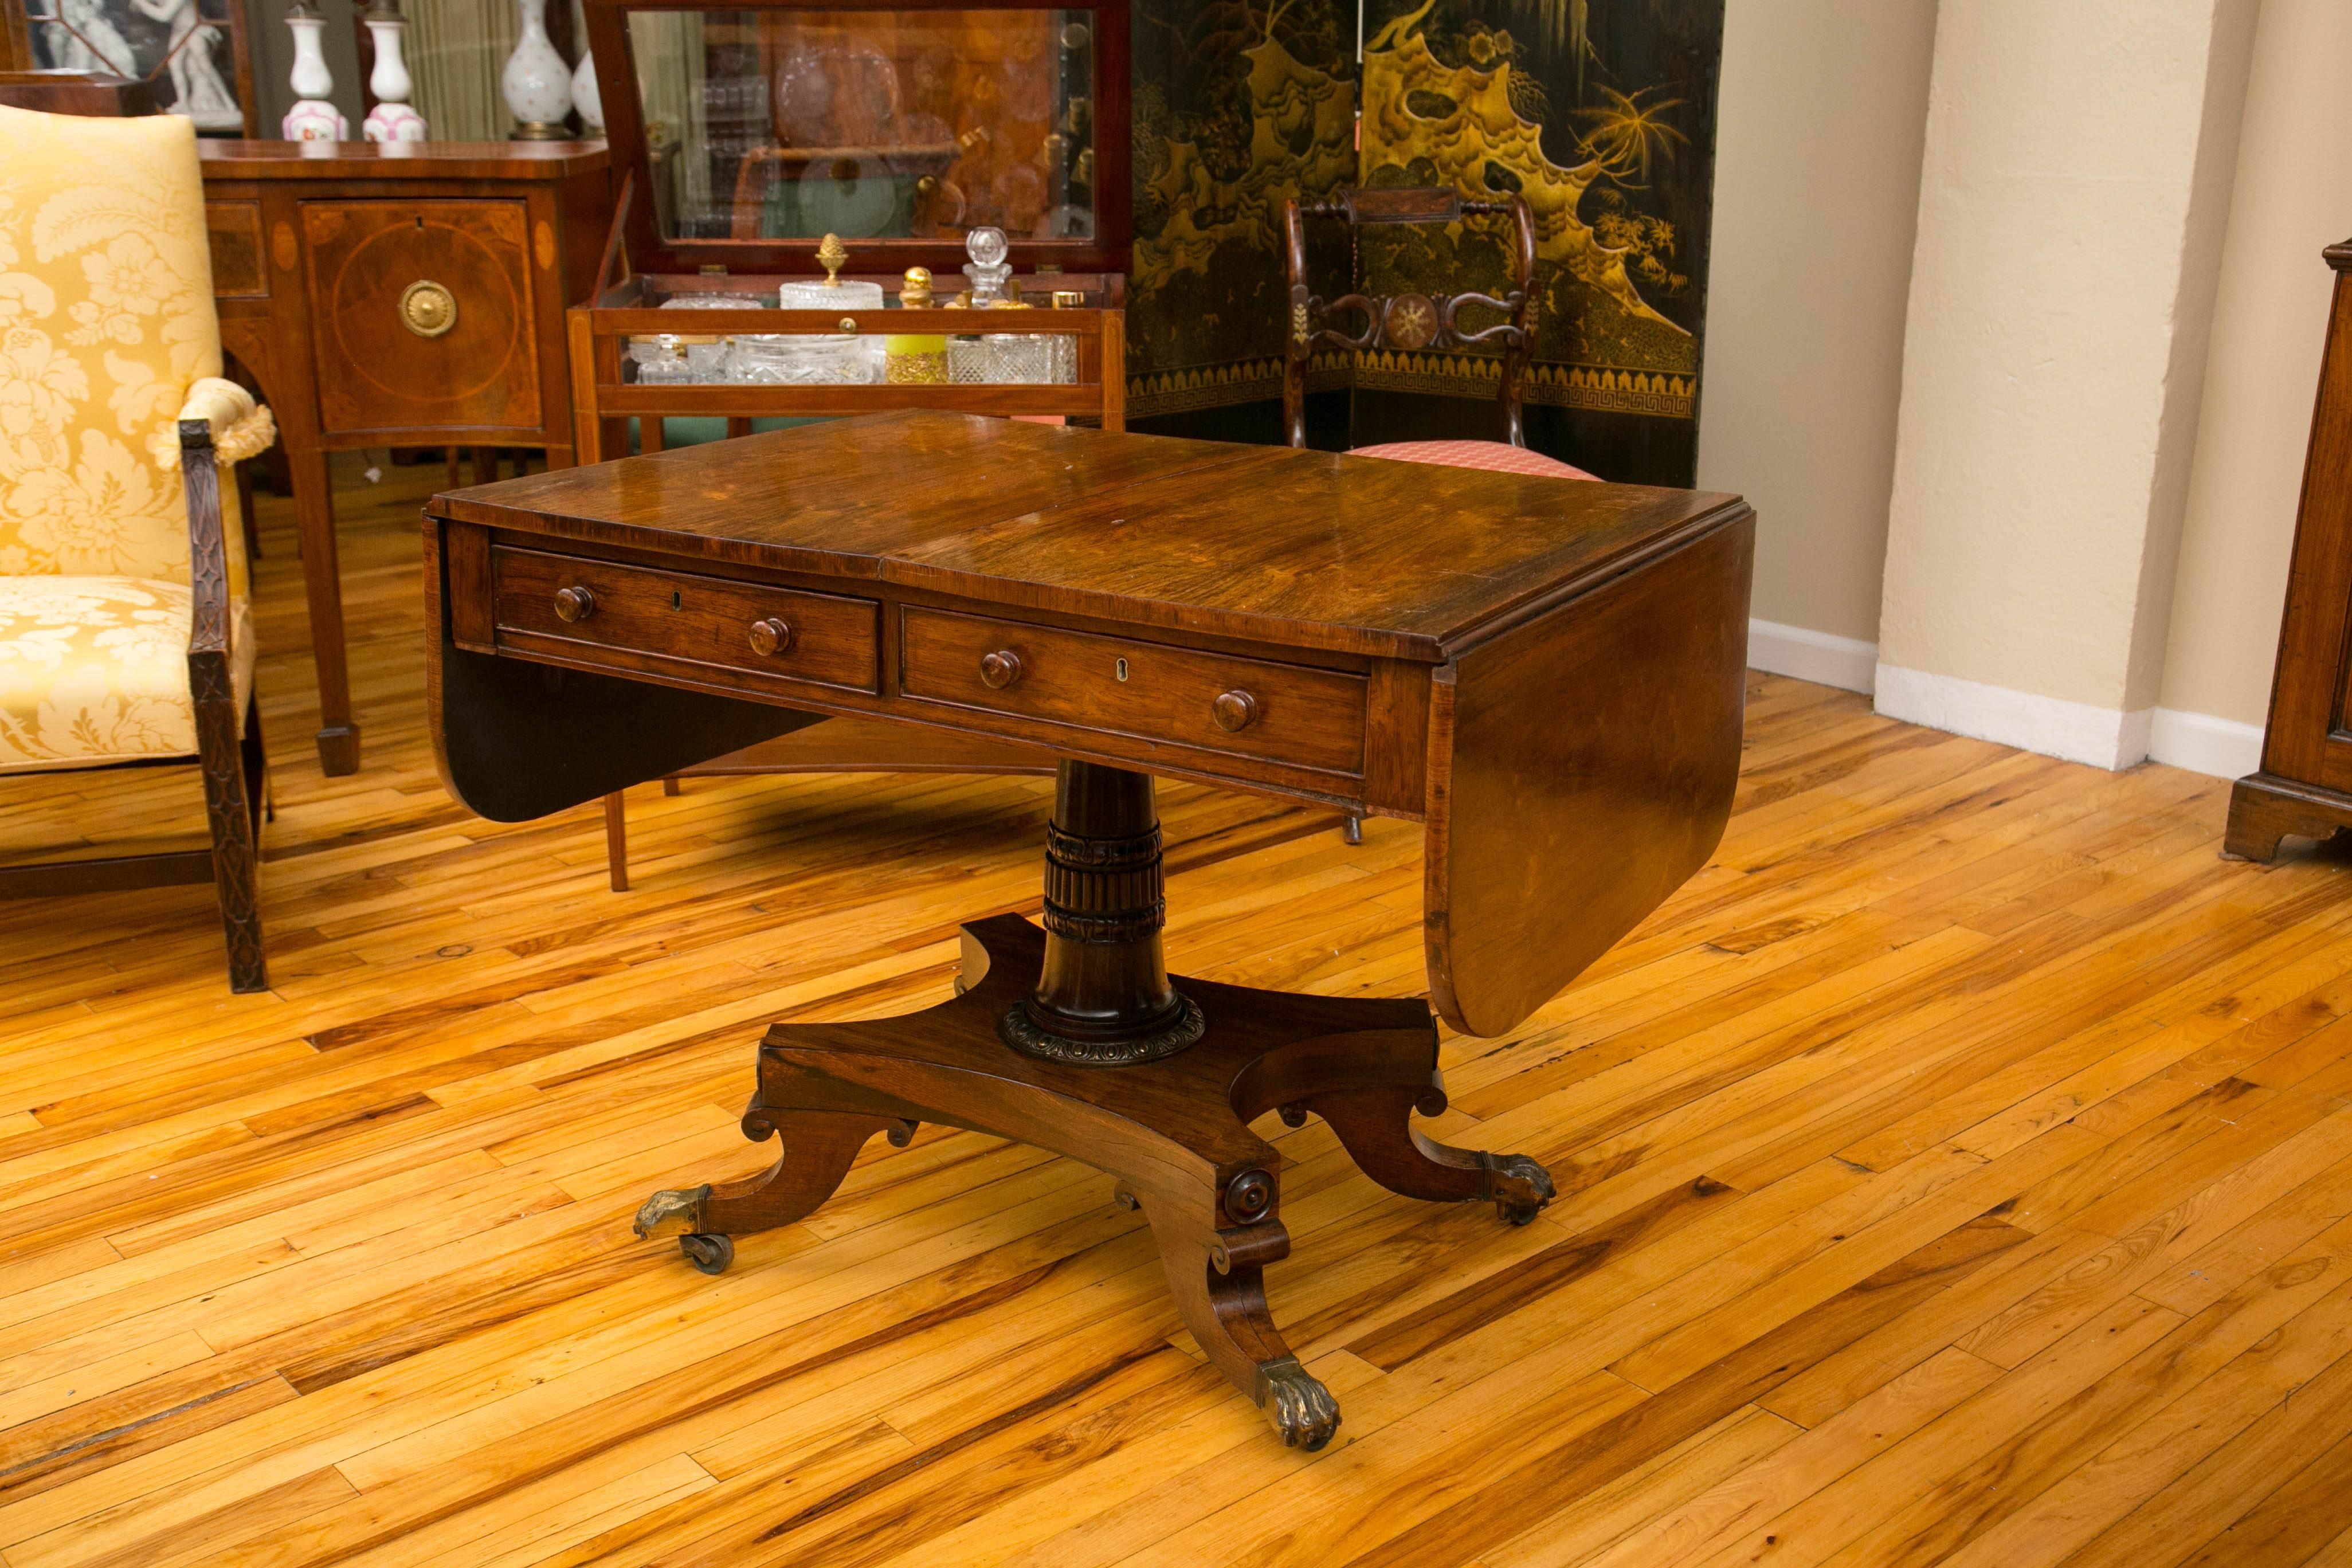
{"x": 917, "y": 359}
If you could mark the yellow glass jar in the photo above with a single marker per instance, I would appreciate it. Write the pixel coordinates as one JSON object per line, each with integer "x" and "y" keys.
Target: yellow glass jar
{"x": 915, "y": 358}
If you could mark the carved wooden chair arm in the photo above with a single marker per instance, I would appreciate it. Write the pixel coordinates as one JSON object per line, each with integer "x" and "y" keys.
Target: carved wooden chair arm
{"x": 238, "y": 427}
{"x": 220, "y": 425}
{"x": 200, "y": 465}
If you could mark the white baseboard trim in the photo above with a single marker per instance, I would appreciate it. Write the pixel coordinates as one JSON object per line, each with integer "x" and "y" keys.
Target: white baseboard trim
{"x": 2103, "y": 737}
{"x": 1841, "y": 662}
{"x": 2204, "y": 743}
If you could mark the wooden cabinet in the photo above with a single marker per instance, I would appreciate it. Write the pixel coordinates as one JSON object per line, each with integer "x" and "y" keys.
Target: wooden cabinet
{"x": 399, "y": 297}
{"x": 2305, "y": 787}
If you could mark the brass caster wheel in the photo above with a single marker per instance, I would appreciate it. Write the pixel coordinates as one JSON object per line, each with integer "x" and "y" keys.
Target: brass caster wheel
{"x": 1519, "y": 1186}
{"x": 1304, "y": 1411}
{"x": 710, "y": 1254}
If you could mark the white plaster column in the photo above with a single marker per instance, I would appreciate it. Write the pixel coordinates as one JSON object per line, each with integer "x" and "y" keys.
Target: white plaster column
{"x": 2073, "y": 200}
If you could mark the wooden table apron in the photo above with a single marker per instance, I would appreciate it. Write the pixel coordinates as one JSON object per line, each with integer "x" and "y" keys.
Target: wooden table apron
{"x": 1548, "y": 674}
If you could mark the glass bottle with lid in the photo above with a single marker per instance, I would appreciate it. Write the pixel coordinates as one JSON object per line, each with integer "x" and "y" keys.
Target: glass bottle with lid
{"x": 919, "y": 359}
{"x": 803, "y": 359}
{"x": 988, "y": 267}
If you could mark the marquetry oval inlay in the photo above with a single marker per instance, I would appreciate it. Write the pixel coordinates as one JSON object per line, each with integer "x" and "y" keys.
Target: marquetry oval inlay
{"x": 1412, "y": 321}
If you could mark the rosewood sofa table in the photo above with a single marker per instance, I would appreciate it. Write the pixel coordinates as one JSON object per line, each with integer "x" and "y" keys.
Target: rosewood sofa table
{"x": 1547, "y": 673}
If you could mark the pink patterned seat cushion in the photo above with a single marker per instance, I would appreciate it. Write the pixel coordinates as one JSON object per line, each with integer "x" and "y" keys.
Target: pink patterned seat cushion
{"x": 1498, "y": 456}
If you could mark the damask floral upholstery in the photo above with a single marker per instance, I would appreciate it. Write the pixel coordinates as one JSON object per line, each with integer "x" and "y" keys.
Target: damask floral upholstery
{"x": 96, "y": 669}
{"x": 107, "y": 336}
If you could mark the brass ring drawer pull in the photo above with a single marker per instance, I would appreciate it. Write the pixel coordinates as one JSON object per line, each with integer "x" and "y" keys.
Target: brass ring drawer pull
{"x": 427, "y": 308}
{"x": 1000, "y": 669}
{"x": 575, "y": 605}
{"x": 770, "y": 636}
{"x": 1235, "y": 709}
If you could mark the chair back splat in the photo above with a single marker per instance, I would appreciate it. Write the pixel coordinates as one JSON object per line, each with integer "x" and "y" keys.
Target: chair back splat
{"x": 1359, "y": 323}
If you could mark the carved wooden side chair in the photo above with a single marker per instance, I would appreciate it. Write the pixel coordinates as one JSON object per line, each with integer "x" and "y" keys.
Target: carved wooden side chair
{"x": 1356, "y": 322}
{"x": 126, "y": 633}
{"x": 1412, "y": 321}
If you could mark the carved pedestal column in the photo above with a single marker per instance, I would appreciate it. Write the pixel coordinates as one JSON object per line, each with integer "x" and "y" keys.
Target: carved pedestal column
{"x": 1104, "y": 998}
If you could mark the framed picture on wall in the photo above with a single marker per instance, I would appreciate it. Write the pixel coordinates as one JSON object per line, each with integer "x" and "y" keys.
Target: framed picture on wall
{"x": 193, "y": 53}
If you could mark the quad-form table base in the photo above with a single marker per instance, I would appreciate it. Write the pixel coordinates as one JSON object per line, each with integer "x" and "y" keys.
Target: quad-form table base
{"x": 1172, "y": 1127}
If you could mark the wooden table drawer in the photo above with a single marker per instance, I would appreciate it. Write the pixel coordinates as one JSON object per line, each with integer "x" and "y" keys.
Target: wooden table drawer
{"x": 1282, "y": 713}
{"x": 634, "y": 617}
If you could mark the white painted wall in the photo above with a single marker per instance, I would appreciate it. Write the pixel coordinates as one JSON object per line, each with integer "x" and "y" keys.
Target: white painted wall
{"x": 1823, "y": 111}
{"x": 2073, "y": 197}
{"x": 2293, "y": 195}
{"x": 2083, "y": 432}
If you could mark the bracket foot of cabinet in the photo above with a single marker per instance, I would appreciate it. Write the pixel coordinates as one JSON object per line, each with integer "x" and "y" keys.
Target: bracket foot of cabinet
{"x": 2264, "y": 808}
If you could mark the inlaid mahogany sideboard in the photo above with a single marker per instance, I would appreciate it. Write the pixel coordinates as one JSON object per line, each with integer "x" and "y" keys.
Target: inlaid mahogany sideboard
{"x": 407, "y": 294}
{"x": 1547, "y": 673}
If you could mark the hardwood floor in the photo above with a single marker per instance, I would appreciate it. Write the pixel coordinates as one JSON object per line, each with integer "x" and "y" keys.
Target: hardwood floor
{"x": 1959, "y": 1171}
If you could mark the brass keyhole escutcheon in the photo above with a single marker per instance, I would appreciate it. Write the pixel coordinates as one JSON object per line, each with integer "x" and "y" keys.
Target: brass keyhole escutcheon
{"x": 1000, "y": 669}
{"x": 770, "y": 636}
{"x": 1235, "y": 709}
{"x": 1118, "y": 667}
{"x": 427, "y": 308}
{"x": 573, "y": 604}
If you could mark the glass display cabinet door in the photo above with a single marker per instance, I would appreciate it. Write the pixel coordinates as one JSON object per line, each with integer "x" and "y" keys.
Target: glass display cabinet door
{"x": 768, "y": 127}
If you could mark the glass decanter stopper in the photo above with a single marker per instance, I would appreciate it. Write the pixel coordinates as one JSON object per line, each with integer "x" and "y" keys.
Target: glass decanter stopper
{"x": 988, "y": 268}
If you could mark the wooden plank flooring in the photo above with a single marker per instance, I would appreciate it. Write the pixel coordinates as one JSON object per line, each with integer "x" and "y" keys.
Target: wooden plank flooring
{"x": 1957, "y": 1171}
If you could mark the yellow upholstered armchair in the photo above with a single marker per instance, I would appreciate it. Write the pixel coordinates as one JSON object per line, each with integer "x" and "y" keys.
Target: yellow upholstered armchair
{"x": 126, "y": 636}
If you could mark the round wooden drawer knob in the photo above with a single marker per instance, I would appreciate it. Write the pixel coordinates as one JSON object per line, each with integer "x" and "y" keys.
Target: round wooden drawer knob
{"x": 773, "y": 636}
{"x": 1000, "y": 669}
{"x": 574, "y": 603}
{"x": 1234, "y": 711}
